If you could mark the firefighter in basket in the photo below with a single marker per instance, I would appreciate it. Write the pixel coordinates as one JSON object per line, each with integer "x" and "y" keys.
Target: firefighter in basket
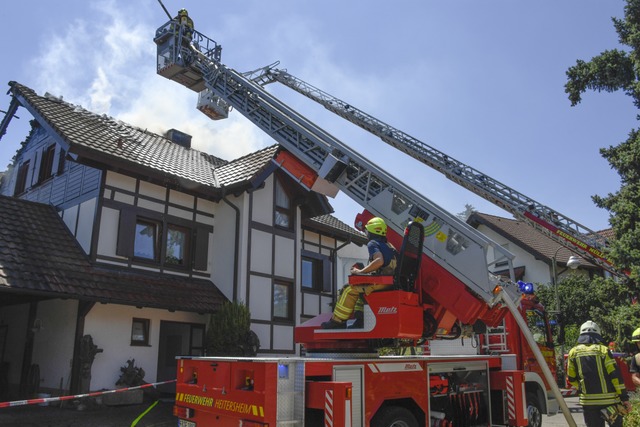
{"x": 594, "y": 372}
{"x": 382, "y": 260}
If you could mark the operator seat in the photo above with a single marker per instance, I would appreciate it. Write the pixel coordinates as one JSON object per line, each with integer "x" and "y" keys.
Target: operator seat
{"x": 409, "y": 258}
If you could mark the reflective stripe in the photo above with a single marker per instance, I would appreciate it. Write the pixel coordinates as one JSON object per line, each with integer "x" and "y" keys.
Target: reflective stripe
{"x": 594, "y": 372}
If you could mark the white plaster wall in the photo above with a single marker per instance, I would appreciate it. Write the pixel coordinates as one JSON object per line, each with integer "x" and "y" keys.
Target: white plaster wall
{"x": 261, "y": 251}
{"x": 283, "y": 338}
{"x": 108, "y": 232}
{"x": 86, "y": 219}
{"x": 115, "y": 179}
{"x": 536, "y": 271}
{"x": 223, "y": 250}
{"x": 53, "y": 343}
{"x": 260, "y": 298}
{"x": 115, "y": 340}
{"x": 70, "y": 218}
{"x": 285, "y": 257}
{"x": 263, "y": 203}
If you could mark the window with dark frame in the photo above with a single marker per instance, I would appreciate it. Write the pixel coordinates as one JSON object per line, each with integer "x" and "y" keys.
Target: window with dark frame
{"x": 282, "y": 301}
{"x": 140, "y": 331}
{"x": 21, "y": 179}
{"x": 46, "y": 164}
{"x": 316, "y": 272}
{"x": 283, "y": 215}
{"x": 177, "y": 245}
{"x": 145, "y": 244}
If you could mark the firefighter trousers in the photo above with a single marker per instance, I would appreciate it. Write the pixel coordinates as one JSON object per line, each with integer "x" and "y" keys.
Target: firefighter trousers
{"x": 351, "y": 299}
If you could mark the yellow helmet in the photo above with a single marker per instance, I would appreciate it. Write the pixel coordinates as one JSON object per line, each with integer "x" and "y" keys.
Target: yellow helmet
{"x": 376, "y": 226}
{"x": 183, "y": 12}
{"x": 636, "y": 336}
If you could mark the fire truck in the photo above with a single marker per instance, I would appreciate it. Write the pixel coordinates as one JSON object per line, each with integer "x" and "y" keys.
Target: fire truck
{"x": 442, "y": 288}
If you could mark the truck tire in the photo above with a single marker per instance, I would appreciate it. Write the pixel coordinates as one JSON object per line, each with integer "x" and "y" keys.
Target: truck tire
{"x": 534, "y": 411}
{"x": 394, "y": 416}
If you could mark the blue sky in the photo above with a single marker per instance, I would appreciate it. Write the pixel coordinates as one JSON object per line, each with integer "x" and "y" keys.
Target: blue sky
{"x": 482, "y": 81}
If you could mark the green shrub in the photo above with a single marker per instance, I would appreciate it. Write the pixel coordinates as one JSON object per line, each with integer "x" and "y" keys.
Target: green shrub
{"x": 229, "y": 332}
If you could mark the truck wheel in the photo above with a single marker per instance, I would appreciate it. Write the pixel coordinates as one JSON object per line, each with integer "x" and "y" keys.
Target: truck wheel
{"x": 534, "y": 413}
{"x": 394, "y": 416}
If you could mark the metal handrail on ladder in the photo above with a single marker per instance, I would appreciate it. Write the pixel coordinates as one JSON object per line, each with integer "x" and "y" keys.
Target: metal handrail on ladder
{"x": 555, "y": 225}
{"x": 497, "y": 345}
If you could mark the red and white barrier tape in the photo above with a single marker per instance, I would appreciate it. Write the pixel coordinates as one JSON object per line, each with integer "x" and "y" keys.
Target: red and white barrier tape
{"x": 77, "y": 396}
{"x": 571, "y": 392}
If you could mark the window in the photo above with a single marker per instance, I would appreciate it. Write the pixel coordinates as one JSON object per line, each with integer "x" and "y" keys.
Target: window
{"x": 140, "y": 331}
{"x": 282, "y": 303}
{"x": 21, "y": 180}
{"x": 538, "y": 326}
{"x": 316, "y": 272}
{"x": 163, "y": 240}
{"x": 177, "y": 245}
{"x": 283, "y": 209}
{"x": 46, "y": 165}
{"x": 145, "y": 243}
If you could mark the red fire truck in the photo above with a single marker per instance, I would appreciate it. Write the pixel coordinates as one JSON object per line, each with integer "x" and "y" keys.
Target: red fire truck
{"x": 442, "y": 288}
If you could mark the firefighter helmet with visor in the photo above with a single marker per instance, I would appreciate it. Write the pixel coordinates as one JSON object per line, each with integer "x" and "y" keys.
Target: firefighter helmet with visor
{"x": 589, "y": 326}
{"x": 376, "y": 226}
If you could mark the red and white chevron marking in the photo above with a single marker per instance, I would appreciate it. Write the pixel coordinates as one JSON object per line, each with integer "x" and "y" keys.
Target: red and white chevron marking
{"x": 569, "y": 392}
{"x": 511, "y": 398}
{"x": 77, "y": 396}
{"x": 328, "y": 408}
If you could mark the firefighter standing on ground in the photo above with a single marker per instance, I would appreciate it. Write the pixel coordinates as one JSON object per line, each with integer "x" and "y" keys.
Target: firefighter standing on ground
{"x": 634, "y": 367}
{"x": 594, "y": 372}
{"x": 382, "y": 260}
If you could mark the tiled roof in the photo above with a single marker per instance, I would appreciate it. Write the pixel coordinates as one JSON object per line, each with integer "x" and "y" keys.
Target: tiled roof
{"x": 329, "y": 224}
{"x": 108, "y": 140}
{"x": 537, "y": 243}
{"x": 246, "y": 167}
{"x": 39, "y": 257}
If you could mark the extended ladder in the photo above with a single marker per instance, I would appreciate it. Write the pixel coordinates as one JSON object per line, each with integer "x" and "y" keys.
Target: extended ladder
{"x": 557, "y": 226}
{"x": 458, "y": 248}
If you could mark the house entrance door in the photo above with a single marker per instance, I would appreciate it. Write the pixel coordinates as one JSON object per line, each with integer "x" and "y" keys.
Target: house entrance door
{"x": 177, "y": 339}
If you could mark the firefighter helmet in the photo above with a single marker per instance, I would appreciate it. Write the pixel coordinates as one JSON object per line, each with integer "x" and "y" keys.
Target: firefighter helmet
{"x": 589, "y": 326}
{"x": 376, "y": 226}
{"x": 636, "y": 336}
{"x": 183, "y": 12}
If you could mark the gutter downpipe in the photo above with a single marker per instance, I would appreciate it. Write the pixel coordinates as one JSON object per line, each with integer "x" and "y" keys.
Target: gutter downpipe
{"x": 237, "y": 241}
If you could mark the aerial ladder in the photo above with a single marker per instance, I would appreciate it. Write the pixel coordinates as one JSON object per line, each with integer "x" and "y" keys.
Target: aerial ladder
{"x": 454, "y": 287}
{"x": 562, "y": 229}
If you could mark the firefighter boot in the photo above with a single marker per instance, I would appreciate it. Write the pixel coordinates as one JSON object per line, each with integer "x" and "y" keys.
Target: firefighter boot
{"x": 333, "y": 324}
{"x": 358, "y": 323}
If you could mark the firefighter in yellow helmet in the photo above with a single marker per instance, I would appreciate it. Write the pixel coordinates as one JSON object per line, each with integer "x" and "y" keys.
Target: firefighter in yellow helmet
{"x": 382, "y": 260}
{"x": 187, "y": 23}
{"x": 592, "y": 369}
{"x": 634, "y": 367}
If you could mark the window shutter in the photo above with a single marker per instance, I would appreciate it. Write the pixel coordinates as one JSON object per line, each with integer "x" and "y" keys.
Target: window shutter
{"x": 327, "y": 274}
{"x": 126, "y": 233}
{"x": 201, "y": 252}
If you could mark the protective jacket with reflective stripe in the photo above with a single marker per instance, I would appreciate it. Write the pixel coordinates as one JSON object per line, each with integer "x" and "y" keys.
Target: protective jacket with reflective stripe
{"x": 593, "y": 371}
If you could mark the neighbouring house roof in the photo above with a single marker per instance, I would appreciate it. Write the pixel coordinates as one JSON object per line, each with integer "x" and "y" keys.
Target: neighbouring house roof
{"x": 39, "y": 258}
{"x": 332, "y": 226}
{"x": 534, "y": 242}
